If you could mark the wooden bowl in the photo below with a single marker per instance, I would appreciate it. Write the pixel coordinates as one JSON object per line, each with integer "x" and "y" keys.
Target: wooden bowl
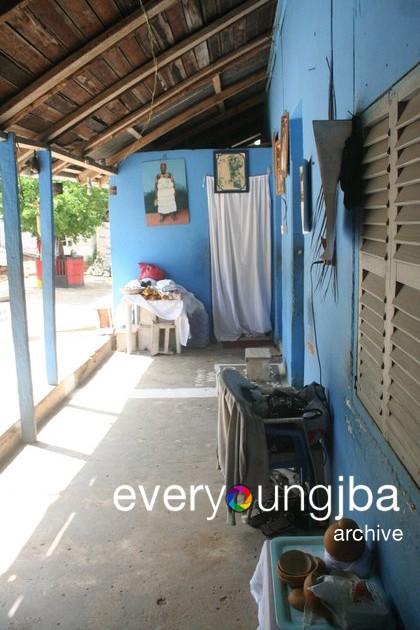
{"x": 296, "y": 580}
{"x": 295, "y": 562}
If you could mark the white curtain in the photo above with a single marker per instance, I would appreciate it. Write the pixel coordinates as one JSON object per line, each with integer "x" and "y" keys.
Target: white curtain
{"x": 240, "y": 245}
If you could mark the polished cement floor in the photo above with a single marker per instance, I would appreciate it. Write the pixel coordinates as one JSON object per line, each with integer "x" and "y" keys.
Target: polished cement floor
{"x": 94, "y": 538}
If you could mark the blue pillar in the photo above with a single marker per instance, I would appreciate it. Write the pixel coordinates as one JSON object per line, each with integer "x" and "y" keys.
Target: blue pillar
{"x": 14, "y": 254}
{"x": 48, "y": 264}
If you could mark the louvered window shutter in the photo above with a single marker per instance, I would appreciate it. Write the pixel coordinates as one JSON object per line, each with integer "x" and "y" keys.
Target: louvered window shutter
{"x": 388, "y": 358}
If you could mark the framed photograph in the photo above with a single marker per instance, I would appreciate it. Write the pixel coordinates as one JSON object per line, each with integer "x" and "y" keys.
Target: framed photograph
{"x": 231, "y": 171}
{"x": 165, "y": 192}
{"x": 284, "y": 148}
{"x": 281, "y": 155}
{"x": 279, "y": 178}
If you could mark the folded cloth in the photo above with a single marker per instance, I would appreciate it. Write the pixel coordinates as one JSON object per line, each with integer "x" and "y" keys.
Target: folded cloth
{"x": 166, "y": 285}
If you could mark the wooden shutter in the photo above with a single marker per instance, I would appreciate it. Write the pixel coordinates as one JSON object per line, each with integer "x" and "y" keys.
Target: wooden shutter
{"x": 372, "y": 269}
{"x": 388, "y": 360}
{"x": 403, "y": 396}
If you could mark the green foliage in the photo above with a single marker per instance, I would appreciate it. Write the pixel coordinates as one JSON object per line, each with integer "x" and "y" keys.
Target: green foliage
{"x": 76, "y": 214}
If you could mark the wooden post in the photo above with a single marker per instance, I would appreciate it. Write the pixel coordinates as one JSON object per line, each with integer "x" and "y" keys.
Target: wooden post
{"x": 14, "y": 254}
{"x": 48, "y": 265}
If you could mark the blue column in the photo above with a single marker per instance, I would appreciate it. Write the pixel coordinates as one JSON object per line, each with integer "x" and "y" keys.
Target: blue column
{"x": 14, "y": 254}
{"x": 48, "y": 264}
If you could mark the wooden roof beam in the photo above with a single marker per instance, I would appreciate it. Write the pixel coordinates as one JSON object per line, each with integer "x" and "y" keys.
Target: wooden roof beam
{"x": 50, "y": 82}
{"x": 8, "y": 6}
{"x": 84, "y": 164}
{"x": 199, "y": 78}
{"x": 58, "y": 166}
{"x": 232, "y": 112}
{"x": 199, "y": 108}
{"x": 148, "y": 69}
{"x": 217, "y": 85}
{"x": 64, "y": 156}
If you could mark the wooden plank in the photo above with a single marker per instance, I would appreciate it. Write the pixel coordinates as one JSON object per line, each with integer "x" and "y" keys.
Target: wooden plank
{"x": 7, "y": 8}
{"x": 15, "y": 76}
{"x": 207, "y": 103}
{"x": 56, "y": 20}
{"x": 216, "y": 121}
{"x": 217, "y": 90}
{"x": 97, "y": 168}
{"x": 117, "y": 62}
{"x": 50, "y": 81}
{"x": 107, "y": 12}
{"x": 131, "y": 50}
{"x": 192, "y": 14}
{"x": 176, "y": 20}
{"x": 25, "y": 143}
{"x": 202, "y": 55}
{"x": 36, "y": 34}
{"x": 182, "y": 88}
{"x": 12, "y": 231}
{"x": 79, "y": 90}
{"x": 163, "y": 34}
{"x": 82, "y": 15}
{"x": 26, "y": 56}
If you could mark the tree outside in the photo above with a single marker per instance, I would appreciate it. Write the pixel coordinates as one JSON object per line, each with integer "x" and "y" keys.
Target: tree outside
{"x": 77, "y": 215}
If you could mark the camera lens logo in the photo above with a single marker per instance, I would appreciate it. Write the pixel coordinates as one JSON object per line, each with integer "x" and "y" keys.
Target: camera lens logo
{"x": 232, "y": 498}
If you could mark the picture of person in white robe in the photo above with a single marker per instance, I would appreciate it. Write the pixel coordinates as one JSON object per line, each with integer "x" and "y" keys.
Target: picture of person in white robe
{"x": 165, "y": 194}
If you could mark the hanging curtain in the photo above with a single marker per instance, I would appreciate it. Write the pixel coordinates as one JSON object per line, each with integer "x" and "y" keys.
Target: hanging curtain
{"x": 240, "y": 246}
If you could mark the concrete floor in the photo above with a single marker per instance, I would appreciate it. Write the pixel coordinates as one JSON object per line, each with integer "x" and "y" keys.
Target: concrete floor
{"x": 74, "y": 561}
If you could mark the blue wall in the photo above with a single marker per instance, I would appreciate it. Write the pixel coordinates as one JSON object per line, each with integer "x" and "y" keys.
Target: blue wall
{"x": 183, "y": 251}
{"x": 374, "y": 44}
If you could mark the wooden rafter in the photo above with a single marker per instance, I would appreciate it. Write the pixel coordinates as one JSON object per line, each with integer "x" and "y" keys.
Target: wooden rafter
{"x": 7, "y": 6}
{"x": 217, "y": 85}
{"x": 148, "y": 69}
{"x": 197, "y": 109}
{"x": 58, "y": 166}
{"x": 220, "y": 119}
{"x": 193, "y": 82}
{"x": 50, "y": 82}
{"x": 66, "y": 157}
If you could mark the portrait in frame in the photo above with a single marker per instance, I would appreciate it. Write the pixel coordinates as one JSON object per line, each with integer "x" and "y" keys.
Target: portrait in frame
{"x": 165, "y": 192}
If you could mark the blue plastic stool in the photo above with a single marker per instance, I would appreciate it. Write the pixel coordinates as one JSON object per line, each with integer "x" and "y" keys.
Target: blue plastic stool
{"x": 300, "y": 459}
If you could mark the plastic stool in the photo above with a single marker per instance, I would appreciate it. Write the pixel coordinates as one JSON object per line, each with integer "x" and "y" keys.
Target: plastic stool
{"x": 300, "y": 459}
{"x": 167, "y": 326}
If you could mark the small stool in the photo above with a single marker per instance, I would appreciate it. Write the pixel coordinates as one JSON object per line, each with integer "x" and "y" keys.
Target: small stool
{"x": 167, "y": 326}
{"x": 257, "y": 363}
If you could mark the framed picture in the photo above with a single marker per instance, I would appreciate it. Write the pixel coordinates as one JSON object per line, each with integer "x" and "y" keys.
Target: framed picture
{"x": 231, "y": 171}
{"x": 284, "y": 148}
{"x": 279, "y": 178}
{"x": 281, "y": 154}
{"x": 165, "y": 192}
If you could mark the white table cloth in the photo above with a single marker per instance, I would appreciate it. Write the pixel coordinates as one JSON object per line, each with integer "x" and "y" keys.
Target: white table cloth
{"x": 171, "y": 310}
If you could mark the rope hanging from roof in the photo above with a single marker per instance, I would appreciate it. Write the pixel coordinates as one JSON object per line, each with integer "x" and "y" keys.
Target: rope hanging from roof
{"x": 153, "y": 43}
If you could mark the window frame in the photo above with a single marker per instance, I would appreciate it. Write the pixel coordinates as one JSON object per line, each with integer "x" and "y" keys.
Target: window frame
{"x": 387, "y": 108}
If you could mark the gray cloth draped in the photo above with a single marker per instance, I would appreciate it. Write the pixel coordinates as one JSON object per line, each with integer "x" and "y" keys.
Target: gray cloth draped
{"x": 241, "y": 442}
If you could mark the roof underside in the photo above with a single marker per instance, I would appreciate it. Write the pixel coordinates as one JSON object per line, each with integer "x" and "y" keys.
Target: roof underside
{"x": 97, "y": 80}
